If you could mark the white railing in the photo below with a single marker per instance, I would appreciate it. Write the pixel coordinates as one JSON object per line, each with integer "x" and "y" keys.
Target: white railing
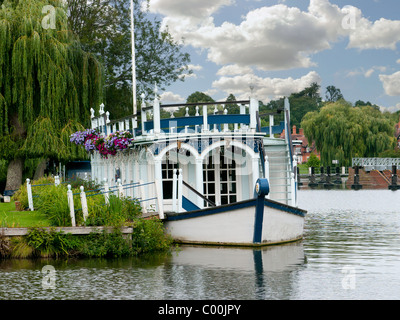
{"x": 376, "y": 163}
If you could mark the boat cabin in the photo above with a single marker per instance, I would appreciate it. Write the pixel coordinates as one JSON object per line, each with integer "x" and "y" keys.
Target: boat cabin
{"x": 207, "y": 157}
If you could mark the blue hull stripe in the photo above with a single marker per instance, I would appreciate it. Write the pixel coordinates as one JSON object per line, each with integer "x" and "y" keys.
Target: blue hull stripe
{"x": 233, "y": 206}
{"x": 210, "y": 211}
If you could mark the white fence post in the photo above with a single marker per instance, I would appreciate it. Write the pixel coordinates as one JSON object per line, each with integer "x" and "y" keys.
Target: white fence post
{"x": 120, "y": 189}
{"x": 159, "y": 200}
{"x": 29, "y": 191}
{"x": 71, "y": 205}
{"x": 142, "y": 196}
{"x": 174, "y": 187}
{"x": 106, "y": 191}
{"x": 56, "y": 180}
{"x": 84, "y": 204}
{"x": 180, "y": 185}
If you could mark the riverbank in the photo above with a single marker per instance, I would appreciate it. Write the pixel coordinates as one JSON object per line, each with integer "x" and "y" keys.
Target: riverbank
{"x": 29, "y": 234}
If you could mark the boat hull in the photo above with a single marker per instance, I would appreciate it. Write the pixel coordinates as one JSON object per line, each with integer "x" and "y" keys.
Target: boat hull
{"x": 237, "y": 224}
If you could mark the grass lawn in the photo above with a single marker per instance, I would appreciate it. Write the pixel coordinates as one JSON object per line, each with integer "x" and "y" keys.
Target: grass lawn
{"x": 11, "y": 218}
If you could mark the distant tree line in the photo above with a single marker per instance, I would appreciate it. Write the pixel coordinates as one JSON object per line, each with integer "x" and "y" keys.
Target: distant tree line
{"x": 339, "y": 129}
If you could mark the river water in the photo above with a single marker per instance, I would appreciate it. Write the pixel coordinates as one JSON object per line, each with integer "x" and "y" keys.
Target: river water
{"x": 351, "y": 250}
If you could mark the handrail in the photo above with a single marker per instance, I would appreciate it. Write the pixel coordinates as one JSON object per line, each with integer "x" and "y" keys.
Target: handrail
{"x": 384, "y": 177}
{"x": 199, "y": 104}
{"x": 198, "y": 193}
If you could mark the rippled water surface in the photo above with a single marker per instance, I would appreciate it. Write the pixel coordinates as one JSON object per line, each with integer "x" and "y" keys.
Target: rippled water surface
{"x": 351, "y": 250}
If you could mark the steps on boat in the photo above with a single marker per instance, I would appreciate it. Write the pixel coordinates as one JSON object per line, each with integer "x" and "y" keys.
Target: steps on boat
{"x": 278, "y": 155}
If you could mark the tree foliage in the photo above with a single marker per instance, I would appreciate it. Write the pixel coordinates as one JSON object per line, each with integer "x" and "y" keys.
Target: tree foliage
{"x": 104, "y": 29}
{"x": 341, "y": 132}
{"x": 302, "y": 102}
{"x": 333, "y": 94}
{"x": 47, "y": 82}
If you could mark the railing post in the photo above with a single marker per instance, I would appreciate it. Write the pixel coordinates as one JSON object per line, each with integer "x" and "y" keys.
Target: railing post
{"x": 120, "y": 189}
{"x": 271, "y": 124}
{"x": 205, "y": 119}
{"x": 156, "y": 113}
{"x": 56, "y": 180}
{"x": 160, "y": 208}
{"x": 180, "y": 185}
{"x": 106, "y": 191}
{"x": 253, "y": 110}
{"x": 71, "y": 205}
{"x": 84, "y": 203}
{"x": 226, "y": 126}
{"x": 174, "y": 189}
{"x": 142, "y": 196}
{"x": 29, "y": 191}
{"x": 93, "y": 121}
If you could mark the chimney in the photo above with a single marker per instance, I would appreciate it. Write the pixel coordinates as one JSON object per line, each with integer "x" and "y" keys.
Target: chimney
{"x": 294, "y": 130}
{"x": 301, "y": 131}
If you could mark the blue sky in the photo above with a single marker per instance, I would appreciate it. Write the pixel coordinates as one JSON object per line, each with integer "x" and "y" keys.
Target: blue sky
{"x": 282, "y": 46}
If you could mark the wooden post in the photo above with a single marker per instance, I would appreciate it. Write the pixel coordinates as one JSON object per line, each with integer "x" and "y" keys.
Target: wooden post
{"x": 356, "y": 185}
{"x": 312, "y": 183}
{"x": 84, "y": 203}
{"x": 29, "y": 191}
{"x": 71, "y": 205}
{"x": 394, "y": 186}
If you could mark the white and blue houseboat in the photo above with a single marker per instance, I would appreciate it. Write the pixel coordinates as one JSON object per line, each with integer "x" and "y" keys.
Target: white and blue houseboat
{"x": 212, "y": 177}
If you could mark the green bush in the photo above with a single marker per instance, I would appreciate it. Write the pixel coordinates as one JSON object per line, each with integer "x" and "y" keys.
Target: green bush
{"x": 116, "y": 213}
{"x": 148, "y": 237}
{"x": 313, "y": 161}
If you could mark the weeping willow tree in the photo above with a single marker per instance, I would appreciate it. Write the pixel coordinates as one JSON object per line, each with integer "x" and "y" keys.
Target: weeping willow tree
{"x": 341, "y": 132}
{"x": 47, "y": 84}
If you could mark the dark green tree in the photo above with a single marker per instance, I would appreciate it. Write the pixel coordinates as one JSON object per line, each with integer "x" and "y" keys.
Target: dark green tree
{"x": 104, "y": 29}
{"x": 301, "y": 103}
{"x": 333, "y": 94}
{"x": 198, "y": 96}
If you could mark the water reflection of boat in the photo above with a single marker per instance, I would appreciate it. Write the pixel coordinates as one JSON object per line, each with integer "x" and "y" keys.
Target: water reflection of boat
{"x": 214, "y": 272}
{"x": 265, "y": 259}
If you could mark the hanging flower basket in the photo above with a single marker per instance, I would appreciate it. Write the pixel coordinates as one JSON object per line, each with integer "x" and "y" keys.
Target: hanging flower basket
{"x": 94, "y": 142}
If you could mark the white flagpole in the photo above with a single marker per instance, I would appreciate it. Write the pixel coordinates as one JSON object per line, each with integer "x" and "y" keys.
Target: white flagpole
{"x": 133, "y": 64}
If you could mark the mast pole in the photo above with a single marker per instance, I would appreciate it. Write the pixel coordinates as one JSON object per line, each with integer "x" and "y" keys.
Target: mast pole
{"x": 133, "y": 64}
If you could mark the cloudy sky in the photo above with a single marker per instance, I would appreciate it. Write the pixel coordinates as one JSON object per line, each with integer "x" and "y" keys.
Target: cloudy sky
{"x": 282, "y": 46}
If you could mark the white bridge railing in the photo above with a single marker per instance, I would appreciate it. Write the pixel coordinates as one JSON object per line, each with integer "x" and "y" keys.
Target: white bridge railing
{"x": 376, "y": 163}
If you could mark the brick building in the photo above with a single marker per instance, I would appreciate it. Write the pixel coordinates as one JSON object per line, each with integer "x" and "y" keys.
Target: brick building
{"x": 302, "y": 149}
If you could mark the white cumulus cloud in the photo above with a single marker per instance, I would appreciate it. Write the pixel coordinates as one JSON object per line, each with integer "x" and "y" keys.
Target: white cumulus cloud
{"x": 273, "y": 37}
{"x": 265, "y": 89}
{"x": 391, "y": 83}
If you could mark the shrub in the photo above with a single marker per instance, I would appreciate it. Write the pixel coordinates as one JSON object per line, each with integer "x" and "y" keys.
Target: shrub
{"x": 313, "y": 161}
{"x": 149, "y": 236}
{"x": 119, "y": 211}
